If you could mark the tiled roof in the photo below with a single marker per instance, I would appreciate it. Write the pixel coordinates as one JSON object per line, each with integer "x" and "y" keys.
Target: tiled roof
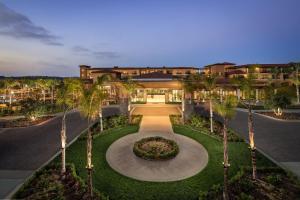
{"x": 223, "y": 63}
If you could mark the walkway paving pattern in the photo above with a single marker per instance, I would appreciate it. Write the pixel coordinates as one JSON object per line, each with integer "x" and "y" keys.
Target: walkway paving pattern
{"x": 191, "y": 159}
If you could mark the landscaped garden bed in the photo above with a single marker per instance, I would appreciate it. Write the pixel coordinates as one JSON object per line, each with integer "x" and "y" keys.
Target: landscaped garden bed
{"x": 49, "y": 184}
{"x": 285, "y": 115}
{"x": 155, "y": 148}
{"x": 271, "y": 184}
{"x": 24, "y": 122}
{"x": 203, "y": 124}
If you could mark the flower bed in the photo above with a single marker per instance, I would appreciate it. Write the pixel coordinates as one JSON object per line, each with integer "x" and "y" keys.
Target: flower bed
{"x": 48, "y": 184}
{"x": 24, "y": 122}
{"x": 155, "y": 148}
{"x": 203, "y": 124}
{"x": 271, "y": 184}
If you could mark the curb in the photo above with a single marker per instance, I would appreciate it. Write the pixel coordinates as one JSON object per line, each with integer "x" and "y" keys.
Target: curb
{"x": 273, "y": 118}
{"x": 9, "y": 196}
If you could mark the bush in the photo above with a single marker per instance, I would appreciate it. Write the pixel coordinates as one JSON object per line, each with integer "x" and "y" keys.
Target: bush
{"x": 274, "y": 179}
{"x": 155, "y": 153}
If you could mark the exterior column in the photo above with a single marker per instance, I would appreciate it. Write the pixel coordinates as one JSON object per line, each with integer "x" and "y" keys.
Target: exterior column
{"x": 238, "y": 93}
{"x": 221, "y": 95}
{"x": 256, "y": 95}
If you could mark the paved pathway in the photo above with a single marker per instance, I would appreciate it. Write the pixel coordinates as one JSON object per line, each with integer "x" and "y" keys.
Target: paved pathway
{"x": 279, "y": 140}
{"x": 23, "y": 150}
{"x": 191, "y": 159}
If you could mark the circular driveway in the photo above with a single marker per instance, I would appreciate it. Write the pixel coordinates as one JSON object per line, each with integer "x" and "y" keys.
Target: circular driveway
{"x": 191, "y": 159}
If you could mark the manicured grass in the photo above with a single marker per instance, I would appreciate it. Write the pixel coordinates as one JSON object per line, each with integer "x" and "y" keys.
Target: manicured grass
{"x": 119, "y": 187}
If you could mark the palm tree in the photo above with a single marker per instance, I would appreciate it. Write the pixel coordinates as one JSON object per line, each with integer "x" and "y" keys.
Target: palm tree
{"x": 210, "y": 85}
{"x": 129, "y": 85}
{"x": 101, "y": 95}
{"x": 295, "y": 80}
{"x": 43, "y": 85}
{"x": 64, "y": 100}
{"x": 53, "y": 83}
{"x": 74, "y": 87}
{"x": 226, "y": 110}
{"x": 88, "y": 106}
{"x": 247, "y": 86}
{"x": 9, "y": 84}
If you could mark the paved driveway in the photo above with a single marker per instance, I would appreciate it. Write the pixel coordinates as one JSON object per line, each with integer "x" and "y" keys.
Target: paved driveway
{"x": 23, "y": 150}
{"x": 158, "y": 110}
{"x": 278, "y": 139}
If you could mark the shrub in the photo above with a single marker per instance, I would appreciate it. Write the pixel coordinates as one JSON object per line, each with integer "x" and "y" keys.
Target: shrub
{"x": 155, "y": 153}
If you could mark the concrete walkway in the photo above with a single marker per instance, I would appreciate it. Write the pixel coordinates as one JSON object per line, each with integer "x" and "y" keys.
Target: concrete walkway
{"x": 191, "y": 159}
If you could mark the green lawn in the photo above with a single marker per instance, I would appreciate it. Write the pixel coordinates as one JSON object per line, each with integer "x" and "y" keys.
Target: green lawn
{"x": 118, "y": 187}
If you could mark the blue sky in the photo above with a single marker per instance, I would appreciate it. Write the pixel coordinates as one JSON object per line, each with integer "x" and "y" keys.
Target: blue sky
{"x": 52, "y": 37}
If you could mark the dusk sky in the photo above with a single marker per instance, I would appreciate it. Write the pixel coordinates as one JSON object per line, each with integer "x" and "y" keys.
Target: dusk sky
{"x": 53, "y": 37}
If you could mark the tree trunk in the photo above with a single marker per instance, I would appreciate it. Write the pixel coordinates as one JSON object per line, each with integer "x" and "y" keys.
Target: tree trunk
{"x": 225, "y": 163}
{"x": 44, "y": 97}
{"x": 89, "y": 161}
{"x": 129, "y": 108}
{"x": 90, "y": 183}
{"x": 211, "y": 115}
{"x": 100, "y": 119}
{"x": 251, "y": 141}
{"x": 52, "y": 95}
{"x": 298, "y": 95}
{"x": 63, "y": 145}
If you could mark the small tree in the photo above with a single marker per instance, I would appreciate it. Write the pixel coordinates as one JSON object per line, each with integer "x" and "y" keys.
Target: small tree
{"x": 227, "y": 110}
{"x": 130, "y": 86}
{"x": 278, "y": 102}
{"x": 296, "y": 81}
{"x": 64, "y": 100}
{"x": 210, "y": 85}
{"x": 89, "y": 108}
{"x": 247, "y": 86}
{"x": 101, "y": 95}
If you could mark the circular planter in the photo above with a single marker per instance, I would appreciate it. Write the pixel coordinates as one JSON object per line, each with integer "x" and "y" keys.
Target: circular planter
{"x": 155, "y": 148}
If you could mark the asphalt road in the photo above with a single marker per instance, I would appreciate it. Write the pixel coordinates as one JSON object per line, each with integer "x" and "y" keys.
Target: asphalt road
{"x": 28, "y": 148}
{"x": 279, "y": 140}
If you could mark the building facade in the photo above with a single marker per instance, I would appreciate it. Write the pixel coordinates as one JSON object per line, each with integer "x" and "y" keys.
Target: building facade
{"x": 165, "y": 84}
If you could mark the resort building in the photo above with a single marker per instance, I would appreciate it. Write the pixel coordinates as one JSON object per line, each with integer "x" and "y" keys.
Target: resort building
{"x": 164, "y": 84}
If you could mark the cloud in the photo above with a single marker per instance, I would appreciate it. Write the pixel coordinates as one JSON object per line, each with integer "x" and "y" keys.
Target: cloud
{"x": 98, "y": 54}
{"x": 106, "y": 54}
{"x": 14, "y": 24}
{"x": 80, "y": 49}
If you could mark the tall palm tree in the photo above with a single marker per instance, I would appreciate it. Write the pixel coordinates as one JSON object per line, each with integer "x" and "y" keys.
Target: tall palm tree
{"x": 9, "y": 84}
{"x": 88, "y": 106}
{"x": 65, "y": 100}
{"x": 130, "y": 86}
{"x": 53, "y": 83}
{"x": 74, "y": 87}
{"x": 226, "y": 110}
{"x": 210, "y": 85}
{"x": 101, "y": 95}
{"x": 43, "y": 85}
{"x": 295, "y": 80}
{"x": 247, "y": 86}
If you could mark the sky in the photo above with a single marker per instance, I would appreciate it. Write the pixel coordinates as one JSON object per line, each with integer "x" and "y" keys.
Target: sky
{"x": 53, "y": 37}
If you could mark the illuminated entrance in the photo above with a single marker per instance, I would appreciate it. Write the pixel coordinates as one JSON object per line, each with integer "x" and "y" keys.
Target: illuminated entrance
{"x": 157, "y": 95}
